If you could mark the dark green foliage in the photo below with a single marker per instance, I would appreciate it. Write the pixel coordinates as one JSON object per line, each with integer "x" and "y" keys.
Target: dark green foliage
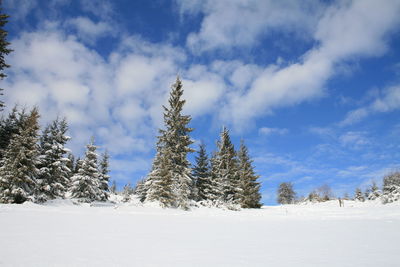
{"x": 10, "y": 126}
{"x": 4, "y": 48}
{"x": 249, "y": 187}
{"x": 104, "y": 174}
{"x": 202, "y": 175}
{"x": 286, "y": 194}
{"x": 18, "y": 172}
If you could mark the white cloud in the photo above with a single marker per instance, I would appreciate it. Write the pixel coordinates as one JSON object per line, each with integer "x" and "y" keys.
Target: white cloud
{"x": 388, "y": 100}
{"x": 354, "y": 139}
{"x": 90, "y": 31}
{"x": 269, "y": 131}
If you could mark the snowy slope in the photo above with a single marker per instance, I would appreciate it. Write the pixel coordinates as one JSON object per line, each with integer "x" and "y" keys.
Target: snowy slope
{"x": 63, "y": 234}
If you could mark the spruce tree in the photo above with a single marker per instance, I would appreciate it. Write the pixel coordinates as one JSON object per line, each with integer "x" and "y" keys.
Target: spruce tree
{"x": 113, "y": 188}
{"x": 104, "y": 174}
{"x": 286, "y": 194}
{"x": 18, "y": 172}
{"x": 140, "y": 190}
{"x": 374, "y": 192}
{"x": 70, "y": 164}
{"x": 358, "y": 195}
{"x": 225, "y": 171}
{"x": 391, "y": 187}
{"x": 170, "y": 181}
{"x": 4, "y": 49}
{"x": 54, "y": 174}
{"x": 249, "y": 195}
{"x": 86, "y": 183}
{"x": 202, "y": 174}
{"x": 10, "y": 126}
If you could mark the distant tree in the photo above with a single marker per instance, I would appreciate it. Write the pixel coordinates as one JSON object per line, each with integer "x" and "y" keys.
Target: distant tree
{"x": 286, "y": 194}
{"x": 86, "y": 183}
{"x": 139, "y": 190}
{"x": 4, "y": 48}
{"x": 54, "y": 175}
{"x": 18, "y": 172}
{"x": 202, "y": 174}
{"x": 358, "y": 195}
{"x": 250, "y": 189}
{"x": 127, "y": 193}
{"x": 314, "y": 196}
{"x": 113, "y": 188}
{"x": 391, "y": 187}
{"x": 325, "y": 192}
{"x": 373, "y": 192}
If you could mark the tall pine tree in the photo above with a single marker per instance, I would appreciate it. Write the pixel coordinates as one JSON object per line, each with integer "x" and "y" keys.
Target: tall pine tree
{"x": 202, "y": 174}
{"x": 18, "y": 172}
{"x": 104, "y": 174}
{"x": 249, "y": 194}
{"x": 4, "y": 48}
{"x": 170, "y": 182}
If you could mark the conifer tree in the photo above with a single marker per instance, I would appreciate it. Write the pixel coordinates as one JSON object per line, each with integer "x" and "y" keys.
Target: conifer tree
{"x": 202, "y": 174}
{"x": 10, "y": 126}
{"x": 54, "y": 174}
{"x": 104, "y": 174}
{"x": 70, "y": 164}
{"x": 140, "y": 190}
{"x": 286, "y": 194}
{"x": 4, "y": 48}
{"x": 391, "y": 187}
{"x": 113, "y": 188}
{"x": 225, "y": 171}
{"x": 249, "y": 195}
{"x": 358, "y": 195}
{"x": 86, "y": 183}
{"x": 374, "y": 192}
{"x": 170, "y": 180}
{"x": 18, "y": 172}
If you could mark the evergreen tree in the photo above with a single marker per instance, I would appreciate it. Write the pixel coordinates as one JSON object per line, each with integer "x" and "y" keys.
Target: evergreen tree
{"x": 202, "y": 174}
{"x": 127, "y": 193}
{"x": 104, "y": 174}
{"x": 113, "y": 188}
{"x": 10, "y": 126}
{"x": 139, "y": 190}
{"x": 391, "y": 187}
{"x": 86, "y": 183}
{"x": 225, "y": 171}
{"x": 358, "y": 195}
{"x": 54, "y": 174}
{"x": 4, "y": 48}
{"x": 374, "y": 192}
{"x": 70, "y": 164}
{"x": 286, "y": 194}
{"x": 18, "y": 172}
{"x": 249, "y": 195}
{"x": 170, "y": 182}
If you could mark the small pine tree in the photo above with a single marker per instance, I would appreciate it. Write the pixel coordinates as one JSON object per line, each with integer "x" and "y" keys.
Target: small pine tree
{"x": 201, "y": 174}
{"x": 54, "y": 174}
{"x": 358, "y": 195}
{"x": 4, "y": 48}
{"x": 139, "y": 190}
{"x": 374, "y": 192}
{"x": 18, "y": 172}
{"x": 113, "y": 187}
{"x": 104, "y": 174}
{"x": 86, "y": 183}
{"x": 391, "y": 187}
{"x": 250, "y": 188}
{"x": 286, "y": 194}
{"x": 127, "y": 193}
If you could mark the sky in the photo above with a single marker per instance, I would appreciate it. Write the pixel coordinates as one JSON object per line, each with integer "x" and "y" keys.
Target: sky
{"x": 312, "y": 87}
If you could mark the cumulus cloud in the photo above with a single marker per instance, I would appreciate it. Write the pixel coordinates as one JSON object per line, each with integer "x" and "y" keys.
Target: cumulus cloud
{"x": 90, "y": 31}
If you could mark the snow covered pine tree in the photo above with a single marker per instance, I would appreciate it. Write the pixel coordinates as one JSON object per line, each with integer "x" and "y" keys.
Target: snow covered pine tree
{"x": 286, "y": 194}
{"x": 170, "y": 181}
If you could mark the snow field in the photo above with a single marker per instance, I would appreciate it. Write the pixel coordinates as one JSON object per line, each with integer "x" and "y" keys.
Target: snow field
{"x": 63, "y": 234}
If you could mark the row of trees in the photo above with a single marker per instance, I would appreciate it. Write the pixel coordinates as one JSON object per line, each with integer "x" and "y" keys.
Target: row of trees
{"x": 390, "y": 192}
{"x": 38, "y": 167}
{"x": 227, "y": 179}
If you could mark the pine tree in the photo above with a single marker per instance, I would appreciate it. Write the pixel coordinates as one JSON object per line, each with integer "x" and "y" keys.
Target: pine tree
{"x": 113, "y": 188}
{"x": 127, "y": 193}
{"x": 202, "y": 174}
{"x": 86, "y": 183}
{"x": 70, "y": 164}
{"x": 54, "y": 174}
{"x": 104, "y": 174}
{"x": 358, "y": 195}
{"x": 374, "y": 192}
{"x": 18, "y": 172}
{"x": 249, "y": 194}
{"x": 170, "y": 182}
{"x": 225, "y": 171}
{"x": 4, "y": 50}
{"x": 10, "y": 126}
{"x": 140, "y": 190}
{"x": 286, "y": 194}
{"x": 391, "y": 187}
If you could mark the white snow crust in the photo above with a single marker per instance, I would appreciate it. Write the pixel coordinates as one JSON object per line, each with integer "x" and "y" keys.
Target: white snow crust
{"x": 64, "y": 233}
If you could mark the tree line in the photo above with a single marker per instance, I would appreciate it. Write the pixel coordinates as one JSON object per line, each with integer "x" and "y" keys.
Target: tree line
{"x": 226, "y": 179}
{"x": 38, "y": 167}
{"x": 389, "y": 192}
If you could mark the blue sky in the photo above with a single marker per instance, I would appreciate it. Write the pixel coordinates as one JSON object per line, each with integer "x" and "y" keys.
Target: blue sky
{"x": 312, "y": 87}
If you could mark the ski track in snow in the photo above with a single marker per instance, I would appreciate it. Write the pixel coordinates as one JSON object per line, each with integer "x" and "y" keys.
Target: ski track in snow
{"x": 60, "y": 233}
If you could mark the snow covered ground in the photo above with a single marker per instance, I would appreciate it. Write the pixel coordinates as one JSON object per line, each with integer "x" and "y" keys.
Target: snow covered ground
{"x": 63, "y": 234}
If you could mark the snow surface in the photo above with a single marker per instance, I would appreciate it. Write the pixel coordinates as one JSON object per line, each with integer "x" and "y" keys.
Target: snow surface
{"x": 61, "y": 233}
